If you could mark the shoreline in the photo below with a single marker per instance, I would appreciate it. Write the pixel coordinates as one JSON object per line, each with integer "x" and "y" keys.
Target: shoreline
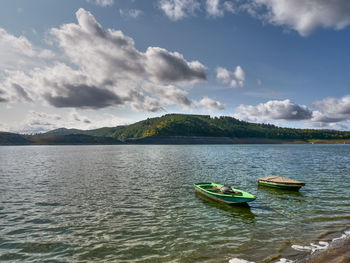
{"x": 337, "y": 252}
{"x": 160, "y": 140}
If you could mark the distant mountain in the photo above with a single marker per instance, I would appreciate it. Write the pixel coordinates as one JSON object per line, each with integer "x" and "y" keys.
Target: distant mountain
{"x": 60, "y": 132}
{"x": 73, "y": 139}
{"x": 55, "y": 138}
{"x": 7, "y": 138}
{"x": 101, "y": 132}
{"x": 186, "y": 129}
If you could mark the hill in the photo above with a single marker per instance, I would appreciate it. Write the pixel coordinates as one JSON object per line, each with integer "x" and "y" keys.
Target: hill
{"x": 55, "y": 139}
{"x": 184, "y": 129}
{"x": 205, "y": 126}
{"x": 73, "y": 139}
{"x": 8, "y": 138}
{"x": 187, "y": 125}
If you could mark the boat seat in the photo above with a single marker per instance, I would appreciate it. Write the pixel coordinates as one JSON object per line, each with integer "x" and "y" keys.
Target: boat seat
{"x": 212, "y": 188}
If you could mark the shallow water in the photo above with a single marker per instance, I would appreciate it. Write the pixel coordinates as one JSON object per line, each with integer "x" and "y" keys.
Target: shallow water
{"x": 137, "y": 203}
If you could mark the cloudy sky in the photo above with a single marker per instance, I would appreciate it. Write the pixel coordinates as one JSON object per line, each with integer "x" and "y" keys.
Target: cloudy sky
{"x": 93, "y": 63}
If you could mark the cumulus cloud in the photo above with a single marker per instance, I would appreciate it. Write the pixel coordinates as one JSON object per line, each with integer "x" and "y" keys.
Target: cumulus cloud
{"x": 74, "y": 116}
{"x": 166, "y": 66}
{"x": 274, "y": 110}
{"x": 230, "y": 7}
{"x": 332, "y": 110}
{"x": 110, "y": 55}
{"x": 331, "y": 113}
{"x": 2, "y": 96}
{"x": 38, "y": 122}
{"x": 21, "y": 92}
{"x": 169, "y": 94}
{"x": 108, "y": 71}
{"x": 213, "y": 8}
{"x": 234, "y": 79}
{"x": 83, "y": 96}
{"x": 102, "y": 3}
{"x": 62, "y": 87}
{"x": 210, "y": 104}
{"x": 178, "y": 9}
{"x": 17, "y": 55}
{"x": 217, "y": 8}
{"x": 18, "y": 52}
{"x": 12, "y": 91}
{"x": 303, "y": 16}
{"x": 130, "y": 13}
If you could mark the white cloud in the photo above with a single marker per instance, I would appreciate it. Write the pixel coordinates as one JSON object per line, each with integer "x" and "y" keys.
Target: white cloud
{"x": 169, "y": 95}
{"x": 130, "y": 13}
{"x": 38, "y": 122}
{"x": 230, "y": 7}
{"x": 13, "y": 88}
{"x": 210, "y": 104}
{"x": 165, "y": 66}
{"x": 75, "y": 116}
{"x": 274, "y": 110}
{"x": 332, "y": 110}
{"x": 213, "y": 8}
{"x": 178, "y": 9}
{"x": 217, "y": 8}
{"x": 303, "y": 16}
{"x": 18, "y": 52}
{"x": 61, "y": 87}
{"x": 108, "y": 71}
{"x": 234, "y": 79}
{"x": 110, "y": 55}
{"x": 102, "y": 3}
{"x": 330, "y": 113}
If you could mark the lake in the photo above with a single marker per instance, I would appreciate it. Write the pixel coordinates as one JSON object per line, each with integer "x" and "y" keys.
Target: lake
{"x": 135, "y": 203}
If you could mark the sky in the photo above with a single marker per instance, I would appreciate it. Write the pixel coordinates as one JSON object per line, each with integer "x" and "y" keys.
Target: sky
{"x": 95, "y": 63}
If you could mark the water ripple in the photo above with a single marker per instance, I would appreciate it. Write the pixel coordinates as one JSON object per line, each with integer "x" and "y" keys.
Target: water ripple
{"x": 137, "y": 203}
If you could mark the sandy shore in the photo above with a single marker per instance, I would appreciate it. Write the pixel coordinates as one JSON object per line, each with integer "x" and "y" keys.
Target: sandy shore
{"x": 338, "y": 252}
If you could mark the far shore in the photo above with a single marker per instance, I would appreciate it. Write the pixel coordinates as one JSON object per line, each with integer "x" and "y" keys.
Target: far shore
{"x": 78, "y": 139}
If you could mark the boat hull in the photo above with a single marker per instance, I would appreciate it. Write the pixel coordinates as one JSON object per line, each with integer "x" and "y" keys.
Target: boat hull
{"x": 294, "y": 187}
{"x": 225, "y": 198}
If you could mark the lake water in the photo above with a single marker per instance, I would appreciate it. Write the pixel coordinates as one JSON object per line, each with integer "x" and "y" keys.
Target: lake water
{"x": 137, "y": 203}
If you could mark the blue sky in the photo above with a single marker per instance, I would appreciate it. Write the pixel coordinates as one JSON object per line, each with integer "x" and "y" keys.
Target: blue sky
{"x": 93, "y": 63}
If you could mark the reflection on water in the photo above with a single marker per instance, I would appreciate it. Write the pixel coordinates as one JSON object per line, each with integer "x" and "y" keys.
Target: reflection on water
{"x": 278, "y": 191}
{"x": 240, "y": 210}
{"x": 137, "y": 203}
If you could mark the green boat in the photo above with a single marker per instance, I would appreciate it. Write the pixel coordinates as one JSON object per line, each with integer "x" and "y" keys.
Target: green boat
{"x": 280, "y": 182}
{"x": 224, "y": 194}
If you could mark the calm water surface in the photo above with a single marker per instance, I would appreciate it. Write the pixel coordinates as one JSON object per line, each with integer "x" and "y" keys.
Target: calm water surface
{"x": 138, "y": 204}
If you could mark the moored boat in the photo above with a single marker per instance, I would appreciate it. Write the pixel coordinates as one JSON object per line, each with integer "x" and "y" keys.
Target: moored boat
{"x": 224, "y": 194}
{"x": 280, "y": 182}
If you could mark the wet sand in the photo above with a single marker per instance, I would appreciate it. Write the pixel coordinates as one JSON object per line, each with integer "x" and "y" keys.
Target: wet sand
{"x": 338, "y": 252}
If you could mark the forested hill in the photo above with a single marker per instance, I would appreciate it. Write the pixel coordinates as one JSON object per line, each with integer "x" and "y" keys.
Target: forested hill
{"x": 192, "y": 127}
{"x": 7, "y": 138}
{"x": 203, "y": 125}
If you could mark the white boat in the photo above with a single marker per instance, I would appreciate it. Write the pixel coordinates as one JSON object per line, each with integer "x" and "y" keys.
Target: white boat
{"x": 280, "y": 182}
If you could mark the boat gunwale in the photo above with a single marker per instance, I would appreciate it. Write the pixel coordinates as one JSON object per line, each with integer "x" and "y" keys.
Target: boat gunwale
{"x": 227, "y": 202}
{"x": 281, "y": 183}
{"x": 251, "y": 196}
